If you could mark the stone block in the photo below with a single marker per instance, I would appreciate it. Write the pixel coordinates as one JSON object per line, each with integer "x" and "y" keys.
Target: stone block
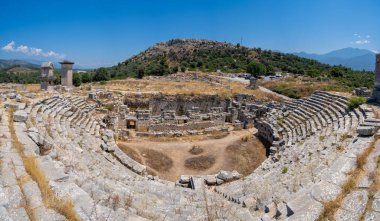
{"x": 366, "y": 130}
{"x": 20, "y": 116}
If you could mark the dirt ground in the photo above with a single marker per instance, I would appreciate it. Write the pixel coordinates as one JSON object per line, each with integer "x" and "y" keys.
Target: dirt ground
{"x": 239, "y": 150}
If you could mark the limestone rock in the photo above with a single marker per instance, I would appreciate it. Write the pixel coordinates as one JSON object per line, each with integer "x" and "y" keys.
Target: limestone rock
{"x": 224, "y": 175}
{"x": 20, "y": 116}
{"x": 366, "y": 130}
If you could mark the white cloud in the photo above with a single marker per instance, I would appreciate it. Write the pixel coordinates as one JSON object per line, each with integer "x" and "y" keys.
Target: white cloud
{"x": 23, "y": 49}
{"x": 36, "y": 51}
{"x": 362, "y": 42}
{"x": 11, "y": 47}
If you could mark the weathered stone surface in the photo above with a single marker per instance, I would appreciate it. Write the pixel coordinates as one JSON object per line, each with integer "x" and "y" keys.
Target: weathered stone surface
{"x": 372, "y": 216}
{"x": 210, "y": 180}
{"x": 14, "y": 195}
{"x": 4, "y": 216}
{"x": 20, "y": 116}
{"x": 235, "y": 174}
{"x": 18, "y": 98}
{"x": 4, "y": 202}
{"x": 353, "y": 206}
{"x": 184, "y": 179}
{"x": 44, "y": 214}
{"x": 52, "y": 170}
{"x": 224, "y": 175}
{"x": 309, "y": 212}
{"x": 219, "y": 181}
{"x": 325, "y": 191}
{"x": 32, "y": 194}
{"x": 366, "y": 130}
{"x": 376, "y": 204}
{"x": 19, "y": 214}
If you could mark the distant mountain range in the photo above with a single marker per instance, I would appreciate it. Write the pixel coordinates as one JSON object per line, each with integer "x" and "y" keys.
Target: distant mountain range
{"x": 355, "y": 58}
{"x": 32, "y": 64}
{"x": 6, "y": 64}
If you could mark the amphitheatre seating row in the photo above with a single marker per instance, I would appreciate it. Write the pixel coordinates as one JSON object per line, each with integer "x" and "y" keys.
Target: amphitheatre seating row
{"x": 308, "y": 115}
{"x": 313, "y": 128}
{"x": 95, "y": 178}
{"x": 16, "y": 187}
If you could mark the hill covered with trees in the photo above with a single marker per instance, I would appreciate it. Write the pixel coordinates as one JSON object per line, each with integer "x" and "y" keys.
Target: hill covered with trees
{"x": 209, "y": 56}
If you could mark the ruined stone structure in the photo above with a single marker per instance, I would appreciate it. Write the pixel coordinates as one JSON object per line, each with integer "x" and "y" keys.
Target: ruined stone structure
{"x": 79, "y": 157}
{"x": 252, "y": 83}
{"x": 376, "y": 89}
{"x": 67, "y": 73}
{"x": 47, "y": 76}
{"x": 363, "y": 92}
{"x": 173, "y": 116}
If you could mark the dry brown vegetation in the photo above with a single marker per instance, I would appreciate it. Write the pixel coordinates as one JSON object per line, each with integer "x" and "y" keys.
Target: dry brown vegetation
{"x": 62, "y": 206}
{"x": 243, "y": 149}
{"x": 243, "y": 158}
{"x": 304, "y": 86}
{"x": 196, "y": 150}
{"x": 190, "y": 138}
{"x": 224, "y": 88}
{"x": 200, "y": 162}
{"x": 331, "y": 207}
{"x": 130, "y": 152}
{"x": 157, "y": 160}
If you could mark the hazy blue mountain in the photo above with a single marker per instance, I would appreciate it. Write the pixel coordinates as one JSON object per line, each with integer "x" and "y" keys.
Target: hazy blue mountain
{"x": 5, "y": 64}
{"x": 355, "y": 58}
{"x": 31, "y": 63}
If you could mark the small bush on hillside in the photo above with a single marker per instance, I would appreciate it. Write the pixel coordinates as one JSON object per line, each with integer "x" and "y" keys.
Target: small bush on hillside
{"x": 287, "y": 91}
{"x": 355, "y": 102}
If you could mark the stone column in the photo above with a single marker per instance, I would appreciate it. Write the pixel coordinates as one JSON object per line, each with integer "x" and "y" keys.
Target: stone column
{"x": 376, "y": 89}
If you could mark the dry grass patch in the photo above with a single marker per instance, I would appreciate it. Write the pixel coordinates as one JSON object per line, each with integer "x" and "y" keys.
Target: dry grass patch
{"x": 62, "y": 206}
{"x": 157, "y": 160}
{"x": 196, "y": 150}
{"x": 331, "y": 207}
{"x": 200, "y": 162}
{"x": 225, "y": 88}
{"x": 302, "y": 86}
{"x": 246, "y": 155}
{"x": 131, "y": 153}
{"x": 375, "y": 187}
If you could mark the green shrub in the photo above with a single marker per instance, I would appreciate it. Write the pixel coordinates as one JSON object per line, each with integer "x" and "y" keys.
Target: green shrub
{"x": 103, "y": 82}
{"x": 284, "y": 170}
{"x": 355, "y": 102}
{"x": 287, "y": 91}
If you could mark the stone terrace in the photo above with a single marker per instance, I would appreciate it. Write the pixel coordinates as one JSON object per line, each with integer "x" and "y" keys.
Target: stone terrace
{"x": 314, "y": 146}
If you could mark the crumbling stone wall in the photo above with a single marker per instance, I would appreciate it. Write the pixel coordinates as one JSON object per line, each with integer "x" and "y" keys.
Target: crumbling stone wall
{"x": 188, "y": 126}
{"x": 182, "y": 103}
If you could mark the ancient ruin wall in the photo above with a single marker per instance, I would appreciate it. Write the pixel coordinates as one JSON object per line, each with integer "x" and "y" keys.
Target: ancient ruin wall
{"x": 182, "y": 127}
{"x": 181, "y": 103}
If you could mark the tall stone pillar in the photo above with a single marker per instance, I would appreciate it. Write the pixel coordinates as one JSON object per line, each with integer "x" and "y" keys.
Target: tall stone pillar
{"x": 67, "y": 73}
{"x": 376, "y": 89}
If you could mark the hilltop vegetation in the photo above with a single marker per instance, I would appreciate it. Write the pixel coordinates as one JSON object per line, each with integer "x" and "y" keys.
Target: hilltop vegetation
{"x": 209, "y": 56}
{"x": 19, "y": 74}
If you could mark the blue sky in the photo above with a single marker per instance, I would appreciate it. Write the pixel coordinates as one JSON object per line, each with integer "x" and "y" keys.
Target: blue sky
{"x": 97, "y": 33}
